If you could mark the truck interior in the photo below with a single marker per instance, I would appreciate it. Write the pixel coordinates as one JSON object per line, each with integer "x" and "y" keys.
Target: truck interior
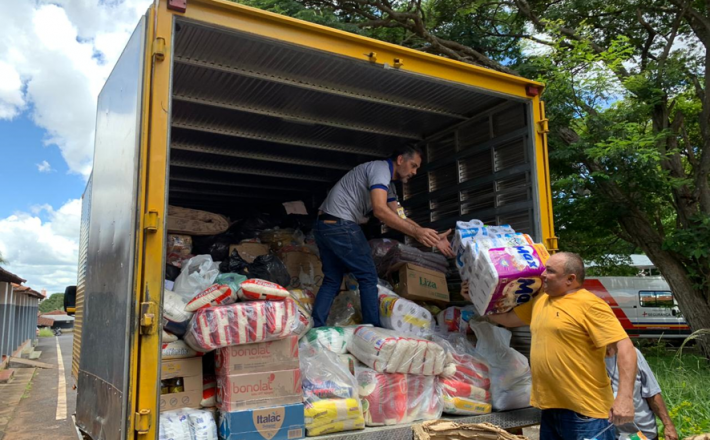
{"x": 257, "y": 122}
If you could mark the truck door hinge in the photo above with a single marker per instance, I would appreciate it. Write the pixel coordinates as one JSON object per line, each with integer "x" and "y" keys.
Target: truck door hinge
{"x": 159, "y": 49}
{"x": 149, "y": 322}
{"x": 150, "y": 221}
{"x": 543, "y": 126}
{"x": 143, "y": 421}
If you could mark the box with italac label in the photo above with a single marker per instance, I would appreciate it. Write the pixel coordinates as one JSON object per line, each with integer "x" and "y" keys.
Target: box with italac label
{"x": 260, "y": 357}
{"x": 248, "y": 391}
{"x": 283, "y": 422}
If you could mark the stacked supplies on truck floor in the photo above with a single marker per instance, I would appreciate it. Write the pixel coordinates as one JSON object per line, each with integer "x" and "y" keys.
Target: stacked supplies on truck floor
{"x": 402, "y": 315}
{"x": 465, "y": 384}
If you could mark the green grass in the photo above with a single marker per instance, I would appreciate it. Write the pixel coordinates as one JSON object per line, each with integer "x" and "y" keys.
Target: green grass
{"x": 685, "y": 385}
{"x": 46, "y": 333}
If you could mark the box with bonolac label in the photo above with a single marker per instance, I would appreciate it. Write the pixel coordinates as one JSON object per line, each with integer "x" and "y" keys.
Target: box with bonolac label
{"x": 284, "y": 422}
{"x": 254, "y": 358}
{"x": 254, "y": 390}
{"x": 417, "y": 283}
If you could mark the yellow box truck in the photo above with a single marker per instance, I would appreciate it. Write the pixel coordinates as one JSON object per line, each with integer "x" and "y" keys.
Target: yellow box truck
{"x": 215, "y": 104}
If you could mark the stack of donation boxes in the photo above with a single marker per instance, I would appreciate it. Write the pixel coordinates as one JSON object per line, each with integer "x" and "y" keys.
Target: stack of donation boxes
{"x": 259, "y": 390}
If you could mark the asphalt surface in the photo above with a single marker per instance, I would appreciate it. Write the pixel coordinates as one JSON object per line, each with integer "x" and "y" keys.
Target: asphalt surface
{"x": 36, "y": 414}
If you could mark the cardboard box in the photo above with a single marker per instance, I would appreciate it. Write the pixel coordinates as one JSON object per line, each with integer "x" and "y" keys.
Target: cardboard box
{"x": 417, "y": 283}
{"x": 254, "y": 358}
{"x": 171, "y": 368}
{"x": 190, "y": 370}
{"x": 297, "y": 262}
{"x": 285, "y": 422}
{"x": 249, "y": 251}
{"x": 255, "y": 390}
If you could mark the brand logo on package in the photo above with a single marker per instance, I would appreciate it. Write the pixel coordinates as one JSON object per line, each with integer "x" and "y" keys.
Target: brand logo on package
{"x": 268, "y": 421}
{"x": 427, "y": 283}
{"x": 258, "y": 350}
{"x": 526, "y": 253}
{"x": 255, "y": 387}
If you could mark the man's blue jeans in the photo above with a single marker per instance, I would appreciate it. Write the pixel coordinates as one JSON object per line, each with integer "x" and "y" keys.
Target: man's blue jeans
{"x": 344, "y": 248}
{"x": 563, "y": 424}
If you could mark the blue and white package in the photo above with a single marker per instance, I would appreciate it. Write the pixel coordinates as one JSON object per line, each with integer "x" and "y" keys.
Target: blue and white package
{"x": 285, "y": 422}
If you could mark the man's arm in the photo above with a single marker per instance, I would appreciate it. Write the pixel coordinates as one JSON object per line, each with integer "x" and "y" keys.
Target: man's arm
{"x": 427, "y": 237}
{"x": 658, "y": 406}
{"x": 509, "y": 319}
{"x": 623, "y": 409}
{"x": 442, "y": 244}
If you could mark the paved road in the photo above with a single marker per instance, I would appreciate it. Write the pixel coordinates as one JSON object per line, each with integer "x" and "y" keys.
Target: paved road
{"x": 36, "y": 415}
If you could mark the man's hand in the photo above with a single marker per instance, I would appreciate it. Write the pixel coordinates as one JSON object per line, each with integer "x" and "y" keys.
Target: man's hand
{"x": 426, "y": 236}
{"x": 444, "y": 246}
{"x": 622, "y": 411}
{"x": 669, "y": 432}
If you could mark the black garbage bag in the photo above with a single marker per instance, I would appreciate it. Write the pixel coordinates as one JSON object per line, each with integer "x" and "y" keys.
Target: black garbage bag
{"x": 171, "y": 272}
{"x": 270, "y": 268}
{"x": 215, "y": 245}
{"x": 234, "y": 264}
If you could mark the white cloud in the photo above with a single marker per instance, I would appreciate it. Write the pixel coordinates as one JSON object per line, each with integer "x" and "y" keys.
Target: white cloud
{"x": 54, "y": 58}
{"x": 44, "y": 253}
{"x": 44, "y": 167}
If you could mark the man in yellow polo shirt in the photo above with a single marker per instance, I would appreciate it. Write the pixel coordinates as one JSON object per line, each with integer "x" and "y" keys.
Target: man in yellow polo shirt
{"x": 571, "y": 328}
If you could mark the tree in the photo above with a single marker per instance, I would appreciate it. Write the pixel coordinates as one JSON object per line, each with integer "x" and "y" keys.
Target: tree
{"x": 628, "y": 108}
{"x": 54, "y": 302}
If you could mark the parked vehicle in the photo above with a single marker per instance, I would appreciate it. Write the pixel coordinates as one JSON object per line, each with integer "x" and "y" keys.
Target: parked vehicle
{"x": 645, "y": 306}
{"x": 219, "y": 106}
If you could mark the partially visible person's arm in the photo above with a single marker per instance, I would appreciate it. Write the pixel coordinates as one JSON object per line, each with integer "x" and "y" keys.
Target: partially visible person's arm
{"x": 442, "y": 242}
{"x": 427, "y": 237}
{"x": 509, "y": 319}
{"x": 623, "y": 409}
{"x": 658, "y": 406}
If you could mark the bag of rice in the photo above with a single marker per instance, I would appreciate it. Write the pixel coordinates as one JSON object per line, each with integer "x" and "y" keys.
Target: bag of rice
{"x": 177, "y": 350}
{"x": 215, "y": 295}
{"x": 257, "y": 289}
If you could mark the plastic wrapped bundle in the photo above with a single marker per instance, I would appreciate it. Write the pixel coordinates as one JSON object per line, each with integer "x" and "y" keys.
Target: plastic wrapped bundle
{"x": 304, "y": 323}
{"x": 390, "y": 399}
{"x": 403, "y": 315}
{"x": 386, "y": 352}
{"x": 333, "y": 339}
{"x": 241, "y": 323}
{"x": 508, "y": 369}
{"x": 187, "y": 424}
{"x": 465, "y": 381}
{"x": 455, "y": 319}
{"x": 345, "y": 310}
{"x": 330, "y": 393}
{"x": 178, "y": 248}
{"x": 175, "y": 318}
{"x": 305, "y": 297}
{"x": 177, "y": 350}
{"x": 402, "y": 254}
{"x": 379, "y": 248}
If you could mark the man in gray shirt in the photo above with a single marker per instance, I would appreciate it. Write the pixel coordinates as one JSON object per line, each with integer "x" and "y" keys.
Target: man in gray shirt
{"x": 648, "y": 402}
{"x": 369, "y": 187}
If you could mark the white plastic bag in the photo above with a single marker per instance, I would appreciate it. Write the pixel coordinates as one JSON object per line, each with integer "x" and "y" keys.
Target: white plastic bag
{"x": 197, "y": 275}
{"x": 330, "y": 392}
{"x": 509, "y": 370}
{"x": 175, "y": 318}
{"x": 465, "y": 381}
{"x": 187, "y": 424}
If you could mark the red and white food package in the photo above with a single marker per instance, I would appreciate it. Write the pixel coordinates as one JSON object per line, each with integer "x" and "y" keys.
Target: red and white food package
{"x": 385, "y": 351}
{"x": 256, "y": 289}
{"x": 209, "y": 391}
{"x": 177, "y": 350}
{"x": 215, "y": 295}
{"x": 465, "y": 381}
{"x": 393, "y": 398}
{"x": 241, "y": 323}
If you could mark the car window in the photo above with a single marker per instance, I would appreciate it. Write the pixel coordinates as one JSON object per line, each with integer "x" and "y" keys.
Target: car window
{"x": 661, "y": 298}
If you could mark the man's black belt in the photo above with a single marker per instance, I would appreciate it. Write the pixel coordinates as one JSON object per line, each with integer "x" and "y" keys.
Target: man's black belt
{"x": 325, "y": 216}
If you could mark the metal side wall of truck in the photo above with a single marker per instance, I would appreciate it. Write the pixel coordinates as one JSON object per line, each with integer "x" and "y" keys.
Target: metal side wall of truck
{"x": 221, "y": 106}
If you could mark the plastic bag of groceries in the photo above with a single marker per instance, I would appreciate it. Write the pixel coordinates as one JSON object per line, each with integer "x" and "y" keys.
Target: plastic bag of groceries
{"x": 175, "y": 318}
{"x": 187, "y": 424}
{"x": 403, "y": 315}
{"x": 465, "y": 382}
{"x": 385, "y": 351}
{"x": 196, "y": 275}
{"x": 509, "y": 370}
{"x": 178, "y": 248}
{"x": 345, "y": 310}
{"x": 393, "y": 398}
{"x": 331, "y": 401}
{"x": 241, "y": 323}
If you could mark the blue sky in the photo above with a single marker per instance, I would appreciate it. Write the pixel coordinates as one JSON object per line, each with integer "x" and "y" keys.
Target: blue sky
{"x": 55, "y": 56}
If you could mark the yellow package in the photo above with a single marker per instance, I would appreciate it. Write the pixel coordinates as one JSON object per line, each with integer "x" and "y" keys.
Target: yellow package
{"x": 328, "y": 411}
{"x": 330, "y": 428}
{"x": 461, "y": 405}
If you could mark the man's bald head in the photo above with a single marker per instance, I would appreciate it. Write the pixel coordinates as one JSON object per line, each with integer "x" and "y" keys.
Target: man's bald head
{"x": 573, "y": 265}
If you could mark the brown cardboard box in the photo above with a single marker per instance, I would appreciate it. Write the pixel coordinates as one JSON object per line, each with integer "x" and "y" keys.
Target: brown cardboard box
{"x": 190, "y": 370}
{"x": 171, "y": 368}
{"x": 255, "y": 358}
{"x": 417, "y": 283}
{"x": 254, "y": 390}
{"x": 190, "y": 398}
{"x": 310, "y": 264}
{"x": 249, "y": 251}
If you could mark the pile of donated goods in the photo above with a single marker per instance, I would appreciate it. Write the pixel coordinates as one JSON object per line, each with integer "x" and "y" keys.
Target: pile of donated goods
{"x": 240, "y": 359}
